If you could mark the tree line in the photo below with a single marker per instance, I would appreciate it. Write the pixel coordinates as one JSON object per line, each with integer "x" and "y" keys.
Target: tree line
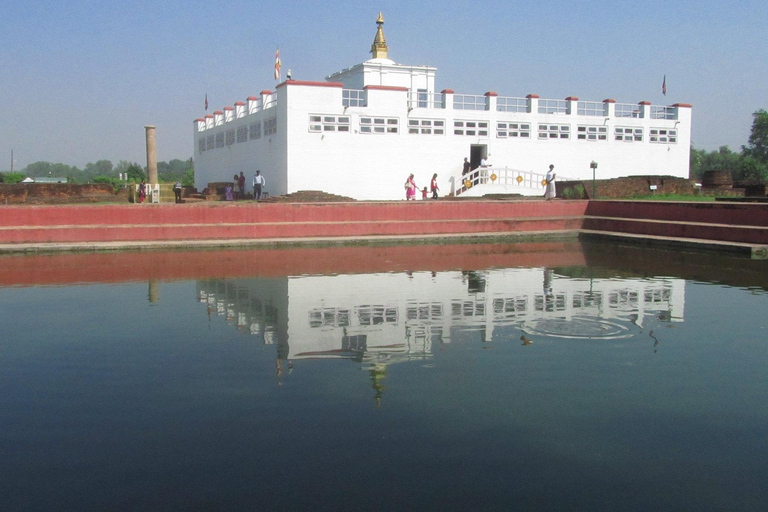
{"x": 751, "y": 163}
{"x": 103, "y": 171}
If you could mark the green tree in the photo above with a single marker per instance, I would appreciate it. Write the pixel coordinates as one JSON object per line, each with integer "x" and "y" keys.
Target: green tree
{"x": 694, "y": 163}
{"x": 189, "y": 178}
{"x": 12, "y": 177}
{"x": 100, "y": 168}
{"x": 136, "y": 173}
{"x": 174, "y": 170}
{"x": 721, "y": 160}
{"x": 757, "y": 147}
{"x": 122, "y": 166}
{"x": 751, "y": 168}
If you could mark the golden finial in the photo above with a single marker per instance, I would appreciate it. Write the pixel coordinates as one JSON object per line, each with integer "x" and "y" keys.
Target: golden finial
{"x": 379, "y": 47}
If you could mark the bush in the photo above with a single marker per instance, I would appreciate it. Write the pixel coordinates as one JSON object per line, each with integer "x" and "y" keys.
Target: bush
{"x": 12, "y": 177}
{"x": 574, "y": 192}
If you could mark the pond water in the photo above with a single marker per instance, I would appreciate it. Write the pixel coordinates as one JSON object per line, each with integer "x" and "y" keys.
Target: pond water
{"x": 526, "y": 377}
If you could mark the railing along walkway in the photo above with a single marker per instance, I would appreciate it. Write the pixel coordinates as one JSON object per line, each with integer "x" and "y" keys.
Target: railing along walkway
{"x": 502, "y": 180}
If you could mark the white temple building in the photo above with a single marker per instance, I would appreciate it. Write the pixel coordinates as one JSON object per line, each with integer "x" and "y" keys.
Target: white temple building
{"x": 361, "y": 132}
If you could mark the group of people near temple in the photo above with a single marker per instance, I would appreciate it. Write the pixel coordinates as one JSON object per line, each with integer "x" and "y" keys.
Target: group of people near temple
{"x": 411, "y": 188}
{"x": 237, "y": 190}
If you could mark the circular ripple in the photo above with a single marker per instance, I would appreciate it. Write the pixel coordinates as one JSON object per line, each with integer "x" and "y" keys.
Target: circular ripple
{"x": 583, "y": 327}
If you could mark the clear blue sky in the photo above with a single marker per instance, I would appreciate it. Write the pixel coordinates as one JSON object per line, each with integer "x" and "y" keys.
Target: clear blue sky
{"x": 79, "y": 79}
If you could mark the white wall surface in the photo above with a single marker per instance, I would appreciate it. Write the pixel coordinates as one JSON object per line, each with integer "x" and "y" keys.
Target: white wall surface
{"x": 375, "y": 166}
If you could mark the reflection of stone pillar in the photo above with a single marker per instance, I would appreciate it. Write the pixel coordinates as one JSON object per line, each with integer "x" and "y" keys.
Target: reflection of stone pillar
{"x": 151, "y": 156}
{"x": 154, "y": 291}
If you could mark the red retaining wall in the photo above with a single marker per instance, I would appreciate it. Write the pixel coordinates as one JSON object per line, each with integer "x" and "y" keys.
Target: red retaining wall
{"x": 745, "y": 214}
{"x": 728, "y": 222}
{"x": 109, "y": 223}
{"x": 723, "y": 222}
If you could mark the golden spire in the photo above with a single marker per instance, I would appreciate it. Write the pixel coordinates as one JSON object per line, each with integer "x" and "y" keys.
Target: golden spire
{"x": 379, "y": 47}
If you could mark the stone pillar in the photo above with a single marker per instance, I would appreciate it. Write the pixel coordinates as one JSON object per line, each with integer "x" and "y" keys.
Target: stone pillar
{"x": 151, "y": 156}
{"x": 490, "y": 101}
{"x": 610, "y": 107}
{"x": 154, "y": 291}
{"x": 571, "y": 105}
{"x": 533, "y": 103}
{"x": 447, "y": 99}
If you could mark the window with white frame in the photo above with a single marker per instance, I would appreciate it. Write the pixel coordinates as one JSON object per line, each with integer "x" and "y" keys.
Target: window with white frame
{"x": 201, "y": 144}
{"x": 553, "y": 106}
{"x": 426, "y": 126}
{"x": 379, "y": 125}
{"x": 209, "y": 142}
{"x": 230, "y": 137}
{"x": 322, "y": 123}
{"x": 255, "y": 130}
{"x": 354, "y": 98}
{"x": 242, "y": 134}
{"x": 513, "y": 130}
{"x": 554, "y": 131}
{"x": 586, "y": 132}
{"x": 270, "y": 126}
{"x": 468, "y": 102}
{"x": 662, "y": 136}
{"x": 471, "y": 128}
{"x": 626, "y": 110}
{"x": 590, "y": 108}
{"x": 220, "y": 140}
{"x": 628, "y": 134}
{"x": 504, "y": 104}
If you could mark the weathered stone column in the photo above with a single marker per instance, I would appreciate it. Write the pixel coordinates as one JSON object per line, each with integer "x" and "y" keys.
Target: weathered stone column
{"x": 154, "y": 290}
{"x": 151, "y": 155}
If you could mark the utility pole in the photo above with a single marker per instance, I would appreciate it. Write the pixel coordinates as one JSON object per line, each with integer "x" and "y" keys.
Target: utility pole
{"x": 11, "y": 160}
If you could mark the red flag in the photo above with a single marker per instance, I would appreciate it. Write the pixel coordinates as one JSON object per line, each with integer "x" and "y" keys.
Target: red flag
{"x": 278, "y": 64}
{"x": 664, "y": 86}
{"x": 206, "y": 101}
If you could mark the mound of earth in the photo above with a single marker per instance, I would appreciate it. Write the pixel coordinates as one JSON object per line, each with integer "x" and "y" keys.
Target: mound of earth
{"x": 308, "y": 196}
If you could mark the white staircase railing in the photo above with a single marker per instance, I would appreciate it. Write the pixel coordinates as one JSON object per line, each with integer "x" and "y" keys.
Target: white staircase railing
{"x": 500, "y": 180}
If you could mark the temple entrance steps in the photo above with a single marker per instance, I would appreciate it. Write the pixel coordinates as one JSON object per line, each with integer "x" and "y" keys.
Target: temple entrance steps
{"x": 498, "y": 180}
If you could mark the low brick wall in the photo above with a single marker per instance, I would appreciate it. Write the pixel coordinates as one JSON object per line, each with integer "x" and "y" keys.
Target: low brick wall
{"x": 250, "y": 221}
{"x": 627, "y": 187}
{"x": 55, "y": 193}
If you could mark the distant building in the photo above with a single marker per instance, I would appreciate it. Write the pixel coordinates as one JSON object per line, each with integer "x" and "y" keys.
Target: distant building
{"x": 363, "y": 130}
{"x": 45, "y": 179}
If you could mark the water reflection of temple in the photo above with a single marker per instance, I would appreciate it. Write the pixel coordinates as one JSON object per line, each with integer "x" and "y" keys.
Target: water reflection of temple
{"x": 388, "y": 318}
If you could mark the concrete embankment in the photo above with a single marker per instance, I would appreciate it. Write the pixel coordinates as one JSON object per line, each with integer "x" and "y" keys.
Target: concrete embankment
{"x": 145, "y": 226}
{"x": 723, "y": 226}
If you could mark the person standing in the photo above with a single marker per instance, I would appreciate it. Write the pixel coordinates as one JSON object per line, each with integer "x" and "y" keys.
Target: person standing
{"x": 235, "y": 186}
{"x": 549, "y": 192}
{"x": 241, "y": 184}
{"x": 142, "y": 191}
{"x": 177, "y": 191}
{"x": 410, "y": 189}
{"x": 484, "y": 165}
{"x": 258, "y": 185}
{"x": 466, "y": 168}
{"x": 433, "y": 186}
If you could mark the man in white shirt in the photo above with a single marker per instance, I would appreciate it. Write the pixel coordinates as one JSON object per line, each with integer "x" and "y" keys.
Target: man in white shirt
{"x": 258, "y": 185}
{"x": 484, "y": 165}
{"x": 549, "y": 192}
